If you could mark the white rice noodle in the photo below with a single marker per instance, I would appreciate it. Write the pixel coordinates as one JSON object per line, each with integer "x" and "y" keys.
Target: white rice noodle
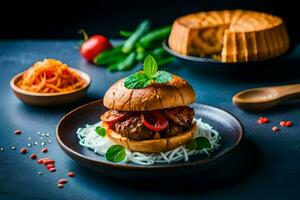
{"x": 90, "y": 139}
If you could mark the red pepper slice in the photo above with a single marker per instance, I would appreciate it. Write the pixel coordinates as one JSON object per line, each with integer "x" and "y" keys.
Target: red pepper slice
{"x": 113, "y": 116}
{"x": 154, "y": 120}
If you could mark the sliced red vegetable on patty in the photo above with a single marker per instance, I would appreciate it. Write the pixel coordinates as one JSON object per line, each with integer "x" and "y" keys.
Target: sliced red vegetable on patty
{"x": 112, "y": 116}
{"x": 154, "y": 120}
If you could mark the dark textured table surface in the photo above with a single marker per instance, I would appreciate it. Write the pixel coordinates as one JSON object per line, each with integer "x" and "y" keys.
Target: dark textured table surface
{"x": 273, "y": 173}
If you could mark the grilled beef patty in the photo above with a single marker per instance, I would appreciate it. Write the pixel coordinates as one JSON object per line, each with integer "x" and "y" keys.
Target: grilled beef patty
{"x": 180, "y": 119}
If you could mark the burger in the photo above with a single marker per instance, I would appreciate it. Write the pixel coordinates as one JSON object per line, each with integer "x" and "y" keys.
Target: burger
{"x": 151, "y": 119}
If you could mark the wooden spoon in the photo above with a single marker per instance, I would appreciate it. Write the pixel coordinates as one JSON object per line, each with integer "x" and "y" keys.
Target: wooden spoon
{"x": 258, "y": 99}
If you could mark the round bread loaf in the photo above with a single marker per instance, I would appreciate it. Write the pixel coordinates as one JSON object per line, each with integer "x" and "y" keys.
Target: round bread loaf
{"x": 230, "y": 35}
{"x": 174, "y": 93}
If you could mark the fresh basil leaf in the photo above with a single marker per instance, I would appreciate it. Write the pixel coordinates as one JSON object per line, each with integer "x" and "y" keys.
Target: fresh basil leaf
{"x": 162, "y": 77}
{"x": 100, "y": 131}
{"x": 137, "y": 80}
{"x": 199, "y": 143}
{"x": 150, "y": 66}
{"x": 192, "y": 145}
{"x": 115, "y": 153}
{"x": 202, "y": 143}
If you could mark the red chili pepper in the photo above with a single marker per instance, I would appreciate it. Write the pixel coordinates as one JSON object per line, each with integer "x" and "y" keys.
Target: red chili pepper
{"x": 33, "y": 156}
{"x": 62, "y": 181}
{"x": 23, "y": 151}
{"x": 44, "y": 150}
{"x": 93, "y": 46}
{"x": 18, "y": 132}
{"x": 275, "y": 129}
{"x": 71, "y": 174}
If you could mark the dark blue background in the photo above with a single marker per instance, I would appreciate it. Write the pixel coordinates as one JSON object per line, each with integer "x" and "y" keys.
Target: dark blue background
{"x": 62, "y": 18}
{"x": 273, "y": 157}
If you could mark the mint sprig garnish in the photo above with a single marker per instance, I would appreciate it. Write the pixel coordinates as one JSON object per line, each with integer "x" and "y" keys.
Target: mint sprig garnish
{"x": 150, "y": 74}
{"x": 162, "y": 77}
{"x": 137, "y": 80}
{"x": 150, "y": 66}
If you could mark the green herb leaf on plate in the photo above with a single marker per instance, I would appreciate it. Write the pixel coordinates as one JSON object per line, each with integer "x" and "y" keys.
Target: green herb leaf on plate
{"x": 150, "y": 66}
{"x": 100, "y": 131}
{"x": 137, "y": 80}
{"x": 192, "y": 145}
{"x": 199, "y": 143}
{"x": 162, "y": 77}
{"x": 115, "y": 153}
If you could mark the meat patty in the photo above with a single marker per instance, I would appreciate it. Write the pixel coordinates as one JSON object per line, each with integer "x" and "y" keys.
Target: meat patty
{"x": 182, "y": 116}
{"x": 133, "y": 128}
{"x": 172, "y": 130}
{"x": 180, "y": 119}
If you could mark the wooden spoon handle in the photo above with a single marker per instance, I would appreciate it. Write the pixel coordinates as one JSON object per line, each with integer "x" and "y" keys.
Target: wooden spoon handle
{"x": 288, "y": 91}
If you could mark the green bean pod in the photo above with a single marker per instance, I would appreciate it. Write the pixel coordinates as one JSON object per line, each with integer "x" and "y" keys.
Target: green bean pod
{"x": 109, "y": 56}
{"x": 130, "y": 43}
{"x": 125, "y": 34}
{"x": 127, "y": 63}
{"x": 157, "y": 53}
{"x": 165, "y": 61}
{"x": 153, "y": 36}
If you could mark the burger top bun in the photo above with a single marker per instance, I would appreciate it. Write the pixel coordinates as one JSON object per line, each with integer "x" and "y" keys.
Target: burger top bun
{"x": 174, "y": 93}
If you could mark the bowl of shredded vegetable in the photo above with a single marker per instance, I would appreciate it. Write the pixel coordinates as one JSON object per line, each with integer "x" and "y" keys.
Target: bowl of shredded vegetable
{"x": 50, "y": 82}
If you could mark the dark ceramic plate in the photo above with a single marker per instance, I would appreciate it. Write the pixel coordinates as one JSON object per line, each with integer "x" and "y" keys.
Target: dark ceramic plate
{"x": 229, "y": 127}
{"x": 215, "y": 65}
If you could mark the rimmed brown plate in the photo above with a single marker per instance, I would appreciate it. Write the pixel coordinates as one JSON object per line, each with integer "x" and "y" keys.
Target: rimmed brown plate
{"x": 216, "y": 65}
{"x": 228, "y": 126}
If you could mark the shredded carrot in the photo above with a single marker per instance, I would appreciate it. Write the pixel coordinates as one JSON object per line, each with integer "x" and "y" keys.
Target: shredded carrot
{"x": 50, "y": 76}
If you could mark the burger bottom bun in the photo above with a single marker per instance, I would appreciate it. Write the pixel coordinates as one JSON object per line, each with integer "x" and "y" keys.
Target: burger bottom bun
{"x": 152, "y": 146}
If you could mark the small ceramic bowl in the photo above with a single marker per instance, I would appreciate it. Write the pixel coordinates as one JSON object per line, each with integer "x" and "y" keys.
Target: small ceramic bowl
{"x": 50, "y": 99}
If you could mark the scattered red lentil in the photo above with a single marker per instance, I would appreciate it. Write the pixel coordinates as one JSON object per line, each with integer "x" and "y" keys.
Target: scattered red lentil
{"x": 62, "y": 181}
{"x": 44, "y": 150}
{"x": 60, "y": 185}
{"x": 48, "y": 161}
{"x": 71, "y": 174}
{"x": 262, "y": 120}
{"x": 275, "y": 129}
{"x": 282, "y": 123}
{"x": 288, "y": 123}
{"x": 18, "y": 132}
{"x": 50, "y": 166}
{"x": 23, "y": 151}
{"x": 33, "y": 156}
{"x": 53, "y": 169}
{"x": 40, "y": 161}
